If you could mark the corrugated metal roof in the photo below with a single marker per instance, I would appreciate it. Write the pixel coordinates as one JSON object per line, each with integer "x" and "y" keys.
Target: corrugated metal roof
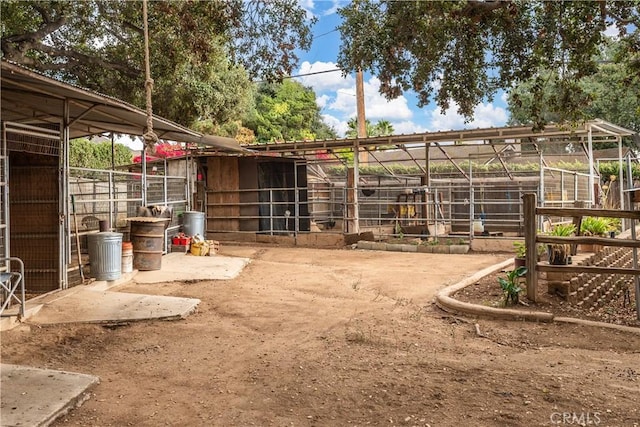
{"x": 32, "y": 98}
{"x": 455, "y": 138}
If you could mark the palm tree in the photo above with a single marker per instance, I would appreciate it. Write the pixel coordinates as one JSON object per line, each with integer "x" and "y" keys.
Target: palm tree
{"x": 382, "y": 128}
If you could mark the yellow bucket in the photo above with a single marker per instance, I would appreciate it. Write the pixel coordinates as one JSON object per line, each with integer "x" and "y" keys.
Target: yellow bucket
{"x": 199, "y": 248}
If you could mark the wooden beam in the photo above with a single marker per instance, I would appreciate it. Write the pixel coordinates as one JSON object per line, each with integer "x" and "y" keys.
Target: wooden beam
{"x": 587, "y": 269}
{"x": 531, "y": 256}
{"x": 453, "y": 162}
{"x": 389, "y": 171}
{"x": 404, "y": 148}
{"x": 586, "y": 240}
{"x": 502, "y": 162}
{"x": 571, "y": 212}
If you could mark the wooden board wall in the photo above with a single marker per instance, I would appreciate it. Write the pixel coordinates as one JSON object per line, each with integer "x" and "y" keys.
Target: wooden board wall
{"x": 223, "y": 182}
{"x": 250, "y": 196}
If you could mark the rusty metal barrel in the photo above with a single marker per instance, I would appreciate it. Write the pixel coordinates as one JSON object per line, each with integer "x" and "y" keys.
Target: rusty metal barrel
{"x": 147, "y": 238}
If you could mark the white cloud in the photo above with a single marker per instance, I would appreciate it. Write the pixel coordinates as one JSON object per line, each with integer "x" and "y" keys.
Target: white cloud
{"x": 344, "y": 102}
{"x": 612, "y": 31}
{"x": 134, "y": 143}
{"x": 378, "y": 107}
{"x": 326, "y": 81}
{"x": 322, "y": 100}
{"x": 308, "y": 6}
{"x": 504, "y": 97}
{"x": 340, "y": 126}
{"x": 313, "y": 9}
{"x": 484, "y": 116}
{"x": 335, "y": 4}
{"x": 407, "y": 127}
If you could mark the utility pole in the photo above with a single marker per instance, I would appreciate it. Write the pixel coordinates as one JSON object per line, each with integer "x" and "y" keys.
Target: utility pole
{"x": 362, "y": 122}
{"x": 353, "y": 175}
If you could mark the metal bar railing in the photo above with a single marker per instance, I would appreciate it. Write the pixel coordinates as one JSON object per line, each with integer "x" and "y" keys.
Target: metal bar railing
{"x": 9, "y": 283}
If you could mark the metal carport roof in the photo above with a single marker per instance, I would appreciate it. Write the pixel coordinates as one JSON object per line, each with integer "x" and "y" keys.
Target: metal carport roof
{"x": 600, "y": 130}
{"x": 29, "y": 97}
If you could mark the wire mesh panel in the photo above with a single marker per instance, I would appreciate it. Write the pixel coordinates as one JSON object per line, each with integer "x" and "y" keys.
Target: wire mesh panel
{"x": 169, "y": 191}
{"x": 102, "y": 195}
{"x": 112, "y": 197}
{"x": 34, "y": 202}
{"x": 41, "y": 139}
{"x": 562, "y": 188}
{"x": 99, "y": 196}
{"x": 34, "y": 225}
{"x": 4, "y": 201}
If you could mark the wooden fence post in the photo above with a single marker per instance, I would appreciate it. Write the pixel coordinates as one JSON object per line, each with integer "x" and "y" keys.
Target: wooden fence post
{"x": 531, "y": 257}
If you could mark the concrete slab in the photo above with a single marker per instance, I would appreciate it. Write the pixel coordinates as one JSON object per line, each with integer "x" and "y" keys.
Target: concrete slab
{"x": 95, "y": 306}
{"x": 178, "y": 266}
{"x": 36, "y": 397}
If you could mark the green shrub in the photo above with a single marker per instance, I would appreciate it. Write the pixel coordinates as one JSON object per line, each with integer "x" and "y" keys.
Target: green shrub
{"x": 595, "y": 226}
{"x": 511, "y": 285}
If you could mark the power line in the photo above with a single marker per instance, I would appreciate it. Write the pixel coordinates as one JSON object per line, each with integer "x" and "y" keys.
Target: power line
{"x": 305, "y": 74}
{"x": 314, "y": 73}
{"x": 324, "y": 34}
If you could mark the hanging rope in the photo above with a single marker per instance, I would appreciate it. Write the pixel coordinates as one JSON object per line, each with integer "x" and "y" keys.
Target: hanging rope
{"x": 150, "y": 138}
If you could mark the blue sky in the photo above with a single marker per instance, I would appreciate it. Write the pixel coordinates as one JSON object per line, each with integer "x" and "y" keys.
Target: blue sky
{"x": 336, "y": 94}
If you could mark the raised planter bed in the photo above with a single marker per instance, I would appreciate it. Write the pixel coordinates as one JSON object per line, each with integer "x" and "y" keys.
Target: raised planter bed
{"x": 413, "y": 247}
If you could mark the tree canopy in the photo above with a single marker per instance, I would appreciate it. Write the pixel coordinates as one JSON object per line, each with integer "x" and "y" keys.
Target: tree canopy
{"x": 462, "y": 52}
{"x": 203, "y": 53}
{"x": 86, "y": 154}
{"x": 612, "y": 95}
{"x": 286, "y": 111}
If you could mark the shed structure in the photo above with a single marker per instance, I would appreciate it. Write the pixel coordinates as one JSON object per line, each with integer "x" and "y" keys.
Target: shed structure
{"x": 466, "y": 182}
{"x": 39, "y": 117}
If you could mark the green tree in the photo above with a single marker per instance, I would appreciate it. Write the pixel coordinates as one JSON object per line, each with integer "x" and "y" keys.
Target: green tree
{"x": 612, "y": 93}
{"x": 203, "y": 53}
{"x": 86, "y": 154}
{"x": 464, "y": 51}
{"x": 381, "y": 128}
{"x": 286, "y": 111}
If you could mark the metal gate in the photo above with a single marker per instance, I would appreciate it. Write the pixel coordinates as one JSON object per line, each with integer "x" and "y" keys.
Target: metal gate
{"x": 33, "y": 203}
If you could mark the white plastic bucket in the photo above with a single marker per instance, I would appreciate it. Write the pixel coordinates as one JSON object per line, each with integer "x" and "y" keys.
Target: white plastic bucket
{"x": 127, "y": 257}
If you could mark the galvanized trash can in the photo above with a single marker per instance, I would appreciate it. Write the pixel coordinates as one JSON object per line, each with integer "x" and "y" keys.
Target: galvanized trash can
{"x": 105, "y": 255}
{"x": 193, "y": 224}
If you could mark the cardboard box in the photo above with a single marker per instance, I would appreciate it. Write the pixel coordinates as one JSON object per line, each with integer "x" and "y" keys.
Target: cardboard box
{"x": 214, "y": 247}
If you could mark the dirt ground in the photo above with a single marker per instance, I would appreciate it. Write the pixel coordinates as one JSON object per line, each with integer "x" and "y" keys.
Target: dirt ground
{"x": 334, "y": 338}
